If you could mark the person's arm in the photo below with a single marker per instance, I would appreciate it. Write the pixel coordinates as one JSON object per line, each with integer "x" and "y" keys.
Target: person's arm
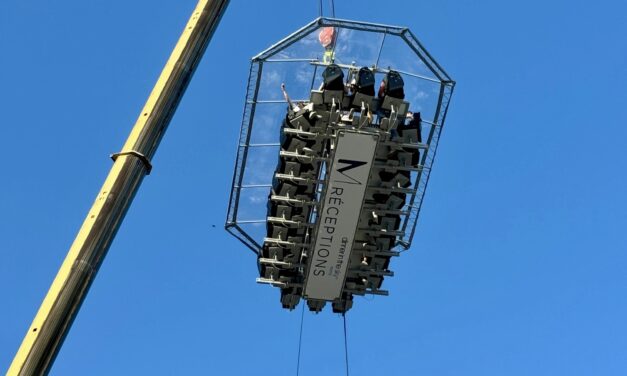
{"x": 287, "y": 97}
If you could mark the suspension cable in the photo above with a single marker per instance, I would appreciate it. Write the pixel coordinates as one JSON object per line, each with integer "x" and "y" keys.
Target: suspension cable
{"x": 345, "y": 343}
{"x": 300, "y": 338}
{"x": 320, "y": 8}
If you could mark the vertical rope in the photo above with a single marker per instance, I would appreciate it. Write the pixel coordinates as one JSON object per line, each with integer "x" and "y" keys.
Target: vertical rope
{"x": 320, "y": 8}
{"x": 345, "y": 343}
{"x": 300, "y": 338}
{"x": 333, "y": 8}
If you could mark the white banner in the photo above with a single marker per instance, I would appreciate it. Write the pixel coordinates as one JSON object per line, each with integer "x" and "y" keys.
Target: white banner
{"x": 339, "y": 215}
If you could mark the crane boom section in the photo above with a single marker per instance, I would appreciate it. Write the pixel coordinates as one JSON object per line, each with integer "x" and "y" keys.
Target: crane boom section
{"x": 69, "y": 288}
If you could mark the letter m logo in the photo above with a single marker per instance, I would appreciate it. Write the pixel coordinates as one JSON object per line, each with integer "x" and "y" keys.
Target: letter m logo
{"x": 349, "y": 165}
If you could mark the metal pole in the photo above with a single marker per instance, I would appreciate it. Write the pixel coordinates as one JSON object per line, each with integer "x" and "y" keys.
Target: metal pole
{"x": 69, "y": 288}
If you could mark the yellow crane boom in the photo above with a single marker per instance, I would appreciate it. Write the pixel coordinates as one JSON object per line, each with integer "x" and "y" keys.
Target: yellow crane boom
{"x": 69, "y": 288}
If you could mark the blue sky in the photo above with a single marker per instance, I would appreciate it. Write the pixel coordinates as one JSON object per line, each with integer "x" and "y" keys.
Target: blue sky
{"x": 519, "y": 265}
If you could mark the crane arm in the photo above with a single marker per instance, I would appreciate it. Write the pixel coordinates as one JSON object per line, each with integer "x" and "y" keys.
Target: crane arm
{"x": 69, "y": 288}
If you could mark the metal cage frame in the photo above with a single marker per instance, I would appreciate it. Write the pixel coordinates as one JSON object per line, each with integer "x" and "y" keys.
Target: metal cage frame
{"x": 446, "y": 86}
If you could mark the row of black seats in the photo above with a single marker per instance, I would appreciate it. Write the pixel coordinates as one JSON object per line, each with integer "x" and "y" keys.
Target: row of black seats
{"x": 382, "y": 208}
{"x": 296, "y": 188}
{"x": 360, "y": 87}
{"x": 292, "y": 202}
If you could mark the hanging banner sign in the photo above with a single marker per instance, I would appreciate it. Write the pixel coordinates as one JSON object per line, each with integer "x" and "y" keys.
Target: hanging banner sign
{"x": 339, "y": 215}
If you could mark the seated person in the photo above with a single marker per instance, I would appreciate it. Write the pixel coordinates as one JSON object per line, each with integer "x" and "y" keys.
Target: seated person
{"x": 392, "y": 85}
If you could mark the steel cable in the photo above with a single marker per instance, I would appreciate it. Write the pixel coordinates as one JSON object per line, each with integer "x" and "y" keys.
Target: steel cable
{"x": 345, "y": 343}
{"x": 300, "y": 338}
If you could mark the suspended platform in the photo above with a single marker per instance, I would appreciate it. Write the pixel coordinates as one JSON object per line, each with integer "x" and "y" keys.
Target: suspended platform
{"x": 329, "y": 179}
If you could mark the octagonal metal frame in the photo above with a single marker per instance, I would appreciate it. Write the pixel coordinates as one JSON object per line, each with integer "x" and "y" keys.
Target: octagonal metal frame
{"x": 446, "y": 86}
